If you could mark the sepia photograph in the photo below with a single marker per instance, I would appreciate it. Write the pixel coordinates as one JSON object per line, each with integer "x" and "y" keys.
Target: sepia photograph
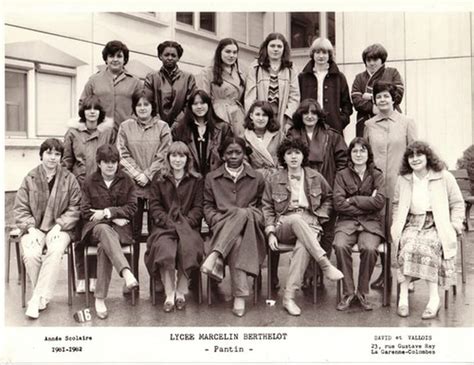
{"x": 238, "y": 185}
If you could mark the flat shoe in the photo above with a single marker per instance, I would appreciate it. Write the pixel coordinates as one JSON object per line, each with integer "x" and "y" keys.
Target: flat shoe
{"x": 345, "y": 303}
{"x": 403, "y": 311}
{"x": 239, "y": 312}
{"x": 291, "y": 307}
{"x": 168, "y": 307}
{"x": 102, "y": 315}
{"x": 428, "y": 313}
{"x": 134, "y": 284}
{"x": 180, "y": 304}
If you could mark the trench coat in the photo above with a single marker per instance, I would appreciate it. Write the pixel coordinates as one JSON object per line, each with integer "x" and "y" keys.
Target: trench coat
{"x": 264, "y": 157}
{"x": 35, "y": 206}
{"x": 182, "y": 87}
{"x": 176, "y": 215}
{"x": 337, "y": 102}
{"x": 334, "y": 149}
{"x": 222, "y": 198}
{"x": 389, "y": 138}
{"x": 183, "y": 133}
{"x": 257, "y": 83}
{"x": 120, "y": 198}
{"x": 227, "y": 99}
{"x": 115, "y": 94}
{"x": 359, "y": 202}
{"x": 447, "y": 205}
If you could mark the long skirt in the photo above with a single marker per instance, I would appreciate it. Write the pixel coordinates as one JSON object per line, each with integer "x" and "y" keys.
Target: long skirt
{"x": 421, "y": 253}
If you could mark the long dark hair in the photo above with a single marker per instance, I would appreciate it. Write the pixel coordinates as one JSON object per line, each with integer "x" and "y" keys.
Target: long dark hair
{"x": 433, "y": 162}
{"x": 211, "y": 118}
{"x": 263, "y": 59}
{"x": 217, "y": 68}
{"x": 304, "y": 108}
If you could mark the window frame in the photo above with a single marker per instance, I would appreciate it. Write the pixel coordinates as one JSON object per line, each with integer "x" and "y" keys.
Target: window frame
{"x": 323, "y": 29}
{"x": 31, "y": 137}
{"x": 196, "y": 26}
{"x": 247, "y": 32}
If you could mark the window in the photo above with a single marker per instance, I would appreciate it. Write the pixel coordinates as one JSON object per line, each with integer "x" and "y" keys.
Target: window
{"x": 247, "y": 28}
{"x": 199, "y": 21}
{"x": 54, "y": 96}
{"x": 186, "y": 18}
{"x": 15, "y": 102}
{"x": 306, "y": 27}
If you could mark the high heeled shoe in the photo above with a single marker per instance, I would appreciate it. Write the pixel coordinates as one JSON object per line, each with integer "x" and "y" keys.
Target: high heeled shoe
{"x": 429, "y": 313}
{"x": 168, "y": 307}
{"x": 180, "y": 304}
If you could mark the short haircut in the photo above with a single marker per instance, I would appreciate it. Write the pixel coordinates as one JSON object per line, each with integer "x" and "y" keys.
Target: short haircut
{"x": 90, "y": 102}
{"x": 381, "y": 86}
{"x": 161, "y": 47}
{"x": 238, "y": 140}
{"x": 112, "y": 47}
{"x": 374, "y": 52}
{"x": 364, "y": 143}
{"x": 324, "y": 44}
{"x": 304, "y": 108}
{"x": 292, "y": 144}
{"x": 272, "y": 125}
{"x": 433, "y": 162}
{"x": 148, "y": 96}
{"x": 107, "y": 153}
{"x": 51, "y": 144}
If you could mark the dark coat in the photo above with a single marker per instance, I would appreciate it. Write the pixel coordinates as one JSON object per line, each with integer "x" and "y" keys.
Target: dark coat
{"x": 225, "y": 200}
{"x": 182, "y": 132}
{"x": 363, "y": 83}
{"x": 334, "y": 150}
{"x": 359, "y": 203}
{"x": 176, "y": 215}
{"x": 277, "y": 196}
{"x": 183, "y": 86}
{"x": 337, "y": 102}
{"x": 120, "y": 199}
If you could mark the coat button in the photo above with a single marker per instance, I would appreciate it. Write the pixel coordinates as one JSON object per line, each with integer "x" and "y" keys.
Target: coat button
{"x": 234, "y": 191}
{"x": 325, "y": 86}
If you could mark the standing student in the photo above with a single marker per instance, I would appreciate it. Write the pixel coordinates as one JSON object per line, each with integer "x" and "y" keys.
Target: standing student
{"x": 170, "y": 86}
{"x": 225, "y": 84}
{"x": 272, "y": 77}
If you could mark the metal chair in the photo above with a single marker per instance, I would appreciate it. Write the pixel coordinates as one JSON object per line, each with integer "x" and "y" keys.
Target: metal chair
{"x": 283, "y": 248}
{"x": 92, "y": 251}
{"x": 71, "y": 286}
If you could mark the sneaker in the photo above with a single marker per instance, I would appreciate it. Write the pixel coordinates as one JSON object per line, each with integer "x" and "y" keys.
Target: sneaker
{"x": 32, "y": 310}
{"x": 92, "y": 285}
{"x": 81, "y": 286}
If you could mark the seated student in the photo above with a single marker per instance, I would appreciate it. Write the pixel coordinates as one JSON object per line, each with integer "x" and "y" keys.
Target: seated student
{"x": 176, "y": 211}
{"x": 232, "y": 197}
{"x": 358, "y": 200}
{"x": 107, "y": 208}
{"x": 296, "y": 202}
{"x": 46, "y": 211}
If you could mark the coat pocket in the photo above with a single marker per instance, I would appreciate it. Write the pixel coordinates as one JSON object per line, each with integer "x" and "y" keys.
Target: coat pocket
{"x": 280, "y": 201}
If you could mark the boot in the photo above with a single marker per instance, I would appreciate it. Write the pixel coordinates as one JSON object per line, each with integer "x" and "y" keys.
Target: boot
{"x": 329, "y": 270}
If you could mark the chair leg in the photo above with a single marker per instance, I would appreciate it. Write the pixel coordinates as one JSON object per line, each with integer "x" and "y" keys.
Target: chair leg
{"x": 69, "y": 276}
{"x": 199, "y": 286}
{"x": 132, "y": 259}
{"x": 454, "y": 290}
{"x": 256, "y": 286}
{"x": 315, "y": 281}
{"x": 23, "y": 284}
{"x": 18, "y": 258}
{"x": 86, "y": 275}
{"x": 269, "y": 274}
{"x": 463, "y": 263}
{"x": 339, "y": 290}
{"x": 152, "y": 289}
{"x": 7, "y": 255}
{"x": 209, "y": 299}
{"x": 446, "y": 299}
{"x": 386, "y": 280}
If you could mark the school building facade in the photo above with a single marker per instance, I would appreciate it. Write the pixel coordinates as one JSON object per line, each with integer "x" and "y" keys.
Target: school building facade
{"x": 49, "y": 57}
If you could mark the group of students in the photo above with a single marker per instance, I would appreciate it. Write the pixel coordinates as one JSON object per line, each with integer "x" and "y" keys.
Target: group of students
{"x": 260, "y": 157}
